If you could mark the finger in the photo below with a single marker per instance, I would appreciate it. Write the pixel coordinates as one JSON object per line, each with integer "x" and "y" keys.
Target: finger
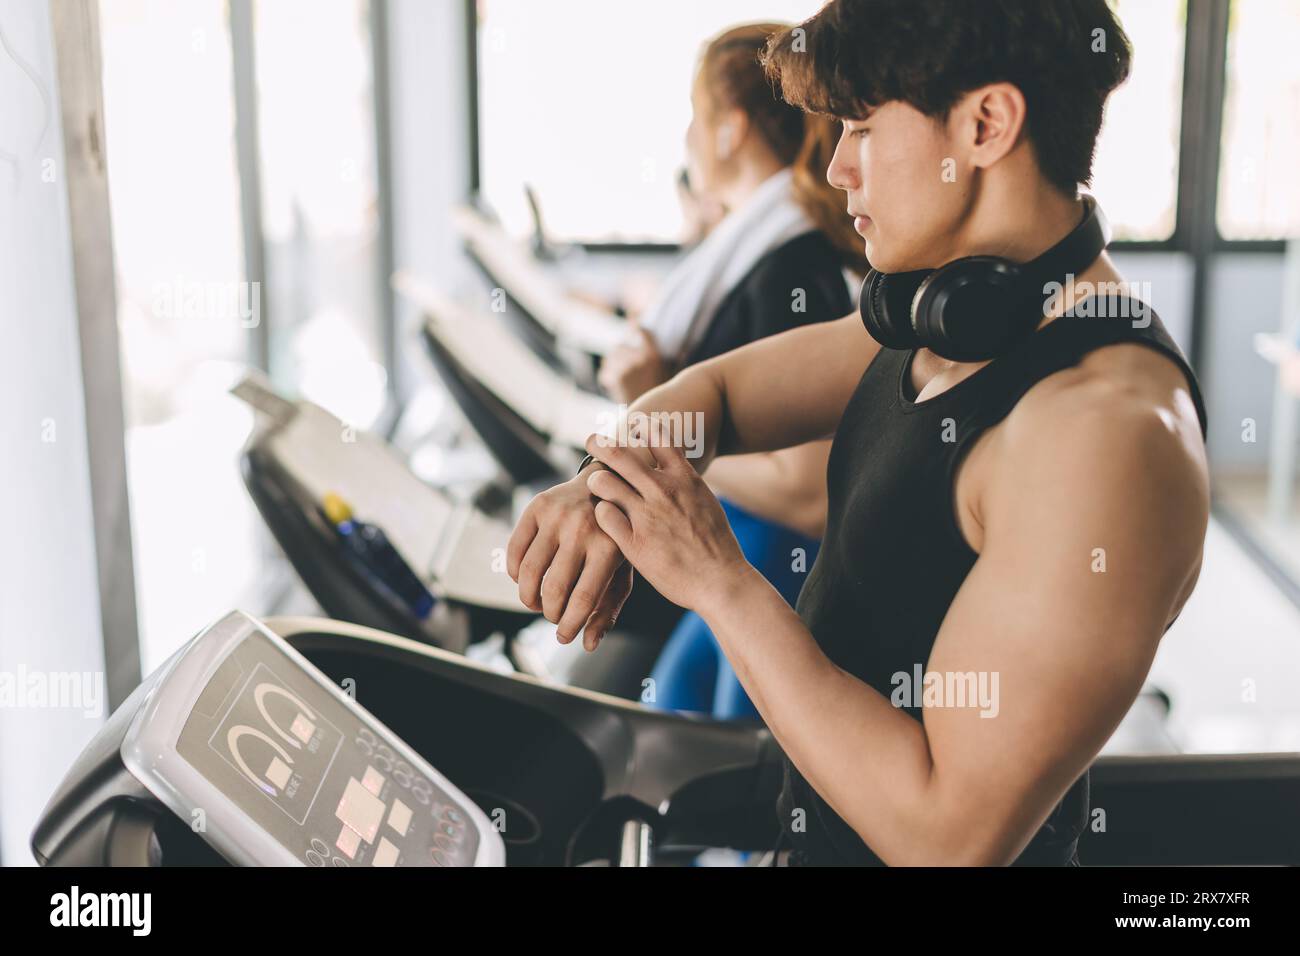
{"x": 634, "y": 465}
{"x": 666, "y": 453}
{"x": 616, "y": 524}
{"x": 559, "y": 581}
{"x": 532, "y": 569}
{"x": 608, "y": 486}
{"x": 523, "y": 535}
{"x": 602, "y": 620}
{"x": 597, "y": 572}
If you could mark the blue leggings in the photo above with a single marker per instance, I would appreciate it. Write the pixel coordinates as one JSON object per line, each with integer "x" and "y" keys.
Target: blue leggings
{"x": 692, "y": 673}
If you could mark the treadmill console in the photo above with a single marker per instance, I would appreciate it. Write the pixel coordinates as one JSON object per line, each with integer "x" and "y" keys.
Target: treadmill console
{"x": 243, "y": 739}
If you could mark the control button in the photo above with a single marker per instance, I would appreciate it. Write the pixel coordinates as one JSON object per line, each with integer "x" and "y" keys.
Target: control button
{"x": 450, "y": 830}
{"x": 314, "y": 858}
{"x": 349, "y": 842}
{"x": 385, "y": 854}
{"x": 339, "y": 861}
{"x": 399, "y": 817}
{"x": 319, "y": 846}
{"x": 455, "y": 817}
{"x": 439, "y": 859}
{"x": 373, "y": 781}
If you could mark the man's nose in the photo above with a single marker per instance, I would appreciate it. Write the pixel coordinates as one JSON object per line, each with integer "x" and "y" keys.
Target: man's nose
{"x": 842, "y": 173}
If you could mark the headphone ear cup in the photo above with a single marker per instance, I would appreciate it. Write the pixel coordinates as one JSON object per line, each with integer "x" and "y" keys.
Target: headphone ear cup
{"x": 971, "y": 310}
{"x": 885, "y": 304}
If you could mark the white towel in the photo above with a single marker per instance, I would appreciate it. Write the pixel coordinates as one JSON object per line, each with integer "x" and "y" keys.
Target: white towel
{"x": 684, "y": 307}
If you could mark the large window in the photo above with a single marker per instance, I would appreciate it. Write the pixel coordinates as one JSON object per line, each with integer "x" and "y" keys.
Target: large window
{"x": 1254, "y": 332}
{"x": 1259, "y": 191}
{"x": 597, "y": 128}
{"x": 174, "y": 191}
{"x": 189, "y": 317}
{"x": 320, "y": 212}
{"x": 588, "y": 101}
{"x": 1135, "y": 173}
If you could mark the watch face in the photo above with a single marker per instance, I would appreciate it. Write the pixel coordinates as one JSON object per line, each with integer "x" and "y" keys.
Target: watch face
{"x": 330, "y": 787}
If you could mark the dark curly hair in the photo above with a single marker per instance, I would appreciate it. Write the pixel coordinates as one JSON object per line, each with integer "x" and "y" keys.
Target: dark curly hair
{"x": 1065, "y": 57}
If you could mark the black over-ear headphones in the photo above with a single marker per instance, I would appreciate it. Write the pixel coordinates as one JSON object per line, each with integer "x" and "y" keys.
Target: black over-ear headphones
{"x": 975, "y": 308}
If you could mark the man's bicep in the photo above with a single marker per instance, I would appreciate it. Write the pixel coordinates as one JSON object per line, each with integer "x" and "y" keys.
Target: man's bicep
{"x": 1054, "y": 662}
{"x": 1062, "y": 614}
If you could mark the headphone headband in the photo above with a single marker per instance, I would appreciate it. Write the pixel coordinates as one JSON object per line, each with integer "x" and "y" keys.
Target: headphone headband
{"x": 1072, "y": 254}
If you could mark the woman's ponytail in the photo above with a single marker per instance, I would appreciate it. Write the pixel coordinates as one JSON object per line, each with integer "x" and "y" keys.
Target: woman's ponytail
{"x": 803, "y": 141}
{"x": 824, "y": 204}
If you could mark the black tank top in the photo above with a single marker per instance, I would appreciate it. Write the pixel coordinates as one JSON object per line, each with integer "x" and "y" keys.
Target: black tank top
{"x": 893, "y": 556}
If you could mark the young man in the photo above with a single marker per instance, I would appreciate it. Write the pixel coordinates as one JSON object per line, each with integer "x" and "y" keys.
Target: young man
{"x": 1029, "y": 525}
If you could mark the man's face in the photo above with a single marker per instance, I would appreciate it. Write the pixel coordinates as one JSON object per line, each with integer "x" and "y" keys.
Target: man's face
{"x": 897, "y": 168}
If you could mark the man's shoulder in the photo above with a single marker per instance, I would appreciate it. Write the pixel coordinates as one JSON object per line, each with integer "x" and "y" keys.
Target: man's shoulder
{"x": 1123, "y": 406}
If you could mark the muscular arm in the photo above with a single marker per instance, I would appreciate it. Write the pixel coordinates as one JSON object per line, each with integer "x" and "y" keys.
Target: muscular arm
{"x": 787, "y": 487}
{"x": 778, "y": 392}
{"x": 1093, "y": 521}
{"x": 775, "y": 393}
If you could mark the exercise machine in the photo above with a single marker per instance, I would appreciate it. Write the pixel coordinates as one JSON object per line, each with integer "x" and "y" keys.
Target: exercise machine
{"x": 298, "y": 454}
{"x": 327, "y": 744}
{"x": 245, "y": 747}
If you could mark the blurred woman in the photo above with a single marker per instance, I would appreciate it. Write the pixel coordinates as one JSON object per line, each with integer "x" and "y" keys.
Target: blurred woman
{"x": 781, "y": 256}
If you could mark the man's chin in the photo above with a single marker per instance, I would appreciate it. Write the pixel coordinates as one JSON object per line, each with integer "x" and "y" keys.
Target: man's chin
{"x": 881, "y": 260}
{"x": 890, "y": 261}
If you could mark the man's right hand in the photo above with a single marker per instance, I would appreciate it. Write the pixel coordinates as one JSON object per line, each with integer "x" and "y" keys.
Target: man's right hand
{"x": 565, "y": 566}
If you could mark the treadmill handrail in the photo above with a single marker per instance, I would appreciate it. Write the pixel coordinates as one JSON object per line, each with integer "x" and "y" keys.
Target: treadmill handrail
{"x": 591, "y": 329}
{"x": 551, "y": 404}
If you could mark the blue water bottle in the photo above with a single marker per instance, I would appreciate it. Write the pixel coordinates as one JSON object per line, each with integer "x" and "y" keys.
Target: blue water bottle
{"x": 370, "y": 548}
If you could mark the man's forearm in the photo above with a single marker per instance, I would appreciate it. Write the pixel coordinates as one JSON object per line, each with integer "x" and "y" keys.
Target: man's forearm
{"x": 867, "y": 758}
{"x": 697, "y": 392}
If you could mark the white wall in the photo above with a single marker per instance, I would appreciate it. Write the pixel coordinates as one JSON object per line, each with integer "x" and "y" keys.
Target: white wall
{"x": 49, "y": 602}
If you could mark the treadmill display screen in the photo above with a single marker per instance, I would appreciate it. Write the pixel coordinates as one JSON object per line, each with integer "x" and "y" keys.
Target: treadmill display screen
{"x": 326, "y": 785}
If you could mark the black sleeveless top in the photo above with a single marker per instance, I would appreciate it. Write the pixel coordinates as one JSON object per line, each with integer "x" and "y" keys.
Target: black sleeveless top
{"x": 893, "y": 556}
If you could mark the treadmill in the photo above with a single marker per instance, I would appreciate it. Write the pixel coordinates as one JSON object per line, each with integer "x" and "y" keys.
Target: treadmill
{"x": 546, "y": 317}
{"x": 298, "y": 453}
{"x": 243, "y": 748}
{"x": 532, "y": 418}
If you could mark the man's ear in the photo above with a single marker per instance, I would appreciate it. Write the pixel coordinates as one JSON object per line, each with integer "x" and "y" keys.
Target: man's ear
{"x": 992, "y": 121}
